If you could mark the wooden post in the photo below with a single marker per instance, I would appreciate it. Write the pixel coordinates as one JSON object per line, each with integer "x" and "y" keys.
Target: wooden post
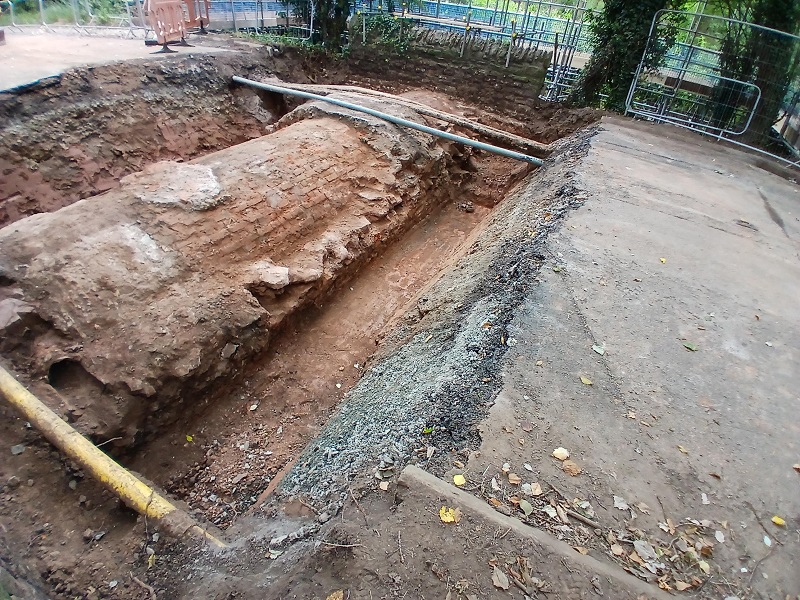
{"x": 511, "y": 41}
{"x": 466, "y": 33}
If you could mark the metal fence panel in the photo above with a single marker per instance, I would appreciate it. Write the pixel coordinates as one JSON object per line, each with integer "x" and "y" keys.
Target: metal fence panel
{"x": 115, "y": 17}
{"x": 724, "y": 78}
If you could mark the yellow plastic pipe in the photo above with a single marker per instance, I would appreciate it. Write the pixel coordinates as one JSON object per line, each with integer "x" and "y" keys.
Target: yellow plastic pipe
{"x": 131, "y": 490}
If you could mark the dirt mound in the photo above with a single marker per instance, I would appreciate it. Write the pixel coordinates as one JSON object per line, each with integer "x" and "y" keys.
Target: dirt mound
{"x": 138, "y": 299}
{"x": 75, "y": 135}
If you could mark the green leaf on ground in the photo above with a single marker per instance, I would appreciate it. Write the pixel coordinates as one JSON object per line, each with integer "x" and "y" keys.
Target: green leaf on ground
{"x": 526, "y": 507}
{"x": 690, "y": 346}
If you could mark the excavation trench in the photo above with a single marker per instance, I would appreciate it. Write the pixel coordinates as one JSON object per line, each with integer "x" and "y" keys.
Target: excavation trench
{"x": 258, "y": 423}
{"x": 207, "y": 307}
{"x": 203, "y": 319}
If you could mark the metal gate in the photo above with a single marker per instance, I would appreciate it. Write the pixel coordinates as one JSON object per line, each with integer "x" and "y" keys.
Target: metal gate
{"x": 724, "y": 78}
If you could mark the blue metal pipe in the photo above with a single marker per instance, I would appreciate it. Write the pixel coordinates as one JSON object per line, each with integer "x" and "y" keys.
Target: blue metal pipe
{"x": 392, "y": 119}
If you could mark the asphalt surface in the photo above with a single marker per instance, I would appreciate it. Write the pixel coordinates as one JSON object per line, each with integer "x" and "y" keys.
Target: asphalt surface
{"x": 683, "y": 268}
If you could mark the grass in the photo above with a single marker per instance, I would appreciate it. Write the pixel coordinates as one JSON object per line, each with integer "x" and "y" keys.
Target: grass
{"x": 58, "y": 13}
{"x": 54, "y": 13}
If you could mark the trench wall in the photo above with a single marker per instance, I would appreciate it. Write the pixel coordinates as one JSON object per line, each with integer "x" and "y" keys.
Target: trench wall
{"x": 479, "y": 75}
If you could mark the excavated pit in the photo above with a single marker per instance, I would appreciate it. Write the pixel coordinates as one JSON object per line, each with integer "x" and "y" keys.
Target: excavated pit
{"x": 203, "y": 319}
{"x": 195, "y": 282}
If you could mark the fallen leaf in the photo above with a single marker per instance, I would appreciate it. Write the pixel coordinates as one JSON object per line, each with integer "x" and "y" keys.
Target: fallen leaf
{"x": 514, "y": 500}
{"x": 581, "y": 550}
{"x": 495, "y": 485}
{"x": 683, "y": 450}
{"x": 586, "y": 380}
{"x": 619, "y": 502}
{"x": 384, "y": 485}
{"x": 514, "y": 479}
{"x": 631, "y": 415}
{"x": 499, "y": 579}
{"x": 663, "y": 260}
{"x": 617, "y": 550}
{"x": 645, "y": 550}
{"x": 767, "y": 541}
{"x": 527, "y": 427}
{"x": 778, "y": 521}
{"x": 273, "y": 553}
{"x": 427, "y": 431}
{"x": 703, "y": 566}
{"x": 430, "y": 451}
{"x": 151, "y": 561}
{"x": 458, "y": 464}
{"x": 636, "y": 558}
{"x": 716, "y": 475}
{"x": 682, "y": 585}
{"x": 459, "y": 480}
{"x": 690, "y": 346}
{"x": 570, "y": 468}
{"x": 450, "y": 515}
{"x": 528, "y": 467}
{"x": 190, "y": 438}
{"x": 704, "y": 499}
{"x": 521, "y": 441}
{"x": 536, "y": 489}
{"x": 539, "y": 363}
{"x": 643, "y": 508}
{"x": 495, "y": 502}
{"x": 337, "y": 595}
{"x": 551, "y": 512}
{"x": 599, "y": 349}
{"x": 562, "y": 515}
{"x": 720, "y": 537}
{"x": 561, "y": 453}
{"x": 526, "y": 507}
{"x": 506, "y": 468}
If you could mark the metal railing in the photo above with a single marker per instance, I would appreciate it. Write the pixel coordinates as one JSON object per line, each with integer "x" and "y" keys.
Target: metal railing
{"x": 118, "y": 17}
{"x": 724, "y": 78}
{"x": 536, "y": 24}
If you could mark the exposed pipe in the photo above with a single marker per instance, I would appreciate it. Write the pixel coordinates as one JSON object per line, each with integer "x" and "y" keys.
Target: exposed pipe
{"x": 392, "y": 119}
{"x": 121, "y": 482}
{"x": 523, "y": 144}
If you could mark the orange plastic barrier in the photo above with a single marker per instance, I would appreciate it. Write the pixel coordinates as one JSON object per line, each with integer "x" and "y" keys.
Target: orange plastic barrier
{"x": 167, "y": 20}
{"x": 196, "y": 13}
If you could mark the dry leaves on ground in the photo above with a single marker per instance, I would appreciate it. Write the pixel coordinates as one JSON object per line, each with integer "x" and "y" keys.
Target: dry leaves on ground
{"x": 500, "y": 579}
{"x": 450, "y": 515}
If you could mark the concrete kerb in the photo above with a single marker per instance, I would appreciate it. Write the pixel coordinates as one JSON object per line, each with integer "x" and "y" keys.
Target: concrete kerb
{"x": 413, "y": 477}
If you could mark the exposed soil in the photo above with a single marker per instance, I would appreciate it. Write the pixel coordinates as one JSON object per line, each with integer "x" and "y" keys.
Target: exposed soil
{"x": 82, "y": 133}
{"x": 77, "y": 135}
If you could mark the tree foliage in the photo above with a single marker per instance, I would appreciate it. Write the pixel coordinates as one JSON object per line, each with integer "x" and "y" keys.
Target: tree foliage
{"x": 763, "y": 58}
{"x": 619, "y": 35}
